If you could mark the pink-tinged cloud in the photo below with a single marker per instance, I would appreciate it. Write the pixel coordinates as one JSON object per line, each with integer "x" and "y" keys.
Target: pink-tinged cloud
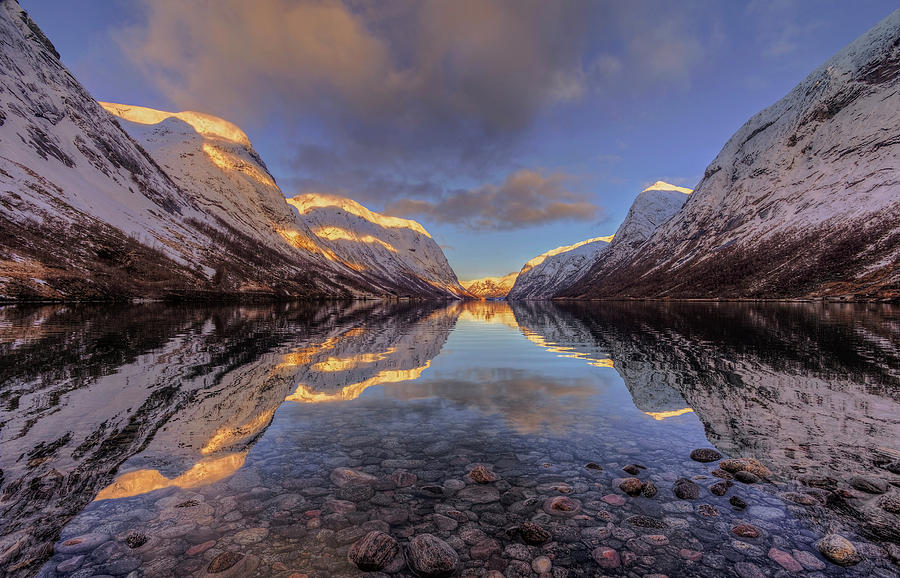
{"x": 525, "y": 198}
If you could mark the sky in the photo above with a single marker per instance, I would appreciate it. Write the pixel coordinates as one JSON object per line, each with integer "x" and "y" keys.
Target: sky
{"x": 506, "y": 128}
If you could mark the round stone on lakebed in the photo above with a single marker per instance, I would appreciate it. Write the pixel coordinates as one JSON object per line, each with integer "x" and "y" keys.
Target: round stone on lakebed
{"x": 685, "y": 489}
{"x": 482, "y": 475}
{"x": 562, "y": 506}
{"x": 341, "y": 477}
{"x": 431, "y": 557}
{"x": 631, "y": 486}
{"x": 839, "y": 550}
{"x": 533, "y": 534}
{"x": 705, "y": 455}
{"x": 649, "y": 490}
{"x": 745, "y": 531}
{"x": 374, "y": 551}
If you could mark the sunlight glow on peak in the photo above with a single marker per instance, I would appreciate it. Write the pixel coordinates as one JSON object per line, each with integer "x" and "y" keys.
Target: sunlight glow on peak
{"x": 305, "y": 394}
{"x": 338, "y": 234}
{"x": 202, "y": 473}
{"x": 565, "y": 351}
{"x": 231, "y": 162}
{"x": 227, "y": 436}
{"x": 310, "y": 201}
{"x": 333, "y": 364}
{"x": 661, "y": 415}
{"x": 664, "y": 186}
{"x": 565, "y": 248}
{"x": 205, "y": 124}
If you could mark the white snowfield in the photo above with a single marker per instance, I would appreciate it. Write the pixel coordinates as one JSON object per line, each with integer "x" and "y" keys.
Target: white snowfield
{"x": 186, "y": 184}
{"x": 549, "y": 274}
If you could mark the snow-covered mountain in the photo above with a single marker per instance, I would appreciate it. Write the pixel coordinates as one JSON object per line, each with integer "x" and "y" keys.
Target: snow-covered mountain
{"x": 803, "y": 201}
{"x": 550, "y": 272}
{"x": 491, "y": 287}
{"x": 214, "y": 160}
{"x": 397, "y": 255}
{"x": 191, "y": 211}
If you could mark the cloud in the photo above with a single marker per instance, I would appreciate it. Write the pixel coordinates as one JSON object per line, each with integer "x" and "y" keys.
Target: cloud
{"x": 489, "y": 65}
{"x": 525, "y": 198}
{"x": 381, "y": 101}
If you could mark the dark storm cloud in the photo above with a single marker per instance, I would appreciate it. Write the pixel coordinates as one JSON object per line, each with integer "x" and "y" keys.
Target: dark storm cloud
{"x": 526, "y": 198}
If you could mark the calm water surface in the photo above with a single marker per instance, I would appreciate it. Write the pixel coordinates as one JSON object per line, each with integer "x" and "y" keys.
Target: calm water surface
{"x": 152, "y": 440}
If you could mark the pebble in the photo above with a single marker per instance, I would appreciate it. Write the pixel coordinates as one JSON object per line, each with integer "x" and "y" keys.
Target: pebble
{"x": 431, "y": 557}
{"x": 746, "y": 477}
{"x": 745, "y": 531}
{"x": 839, "y": 550}
{"x": 534, "y": 534}
{"x": 614, "y": 500}
{"x": 632, "y": 469}
{"x": 705, "y": 455}
{"x": 606, "y": 557}
{"x": 720, "y": 488}
{"x": 481, "y": 475}
{"x": 374, "y": 551}
{"x": 785, "y": 560}
{"x": 541, "y": 564}
{"x": 562, "y": 506}
{"x": 631, "y": 486}
{"x": 685, "y": 489}
{"x": 808, "y": 561}
{"x": 748, "y": 570}
{"x": 649, "y": 490}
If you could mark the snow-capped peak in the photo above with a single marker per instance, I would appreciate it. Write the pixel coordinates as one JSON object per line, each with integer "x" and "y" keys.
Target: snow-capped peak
{"x": 205, "y": 124}
{"x": 532, "y": 263}
{"x": 664, "y": 186}
{"x": 306, "y": 202}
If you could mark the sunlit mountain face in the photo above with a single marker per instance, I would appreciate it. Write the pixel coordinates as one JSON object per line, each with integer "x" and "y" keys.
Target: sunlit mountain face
{"x": 151, "y": 420}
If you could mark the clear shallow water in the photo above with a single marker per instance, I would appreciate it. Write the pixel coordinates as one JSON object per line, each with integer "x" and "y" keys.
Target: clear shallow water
{"x": 151, "y": 439}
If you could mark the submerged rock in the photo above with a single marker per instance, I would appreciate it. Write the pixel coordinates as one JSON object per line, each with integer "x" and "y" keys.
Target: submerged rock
{"x": 374, "y": 551}
{"x": 482, "y": 475}
{"x": 341, "y": 477}
{"x": 631, "y": 486}
{"x": 649, "y": 490}
{"x": 839, "y": 550}
{"x": 685, "y": 489}
{"x": 745, "y": 531}
{"x": 562, "y": 506}
{"x": 705, "y": 455}
{"x": 431, "y": 557}
{"x": 533, "y": 534}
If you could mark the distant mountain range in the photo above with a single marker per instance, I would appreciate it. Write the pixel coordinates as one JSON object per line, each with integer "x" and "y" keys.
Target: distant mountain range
{"x": 491, "y": 287}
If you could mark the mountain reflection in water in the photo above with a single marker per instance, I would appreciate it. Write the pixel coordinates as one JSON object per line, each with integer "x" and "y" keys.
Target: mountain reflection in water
{"x": 102, "y": 404}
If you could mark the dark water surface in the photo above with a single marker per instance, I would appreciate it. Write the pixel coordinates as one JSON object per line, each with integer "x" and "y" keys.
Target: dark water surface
{"x": 151, "y": 440}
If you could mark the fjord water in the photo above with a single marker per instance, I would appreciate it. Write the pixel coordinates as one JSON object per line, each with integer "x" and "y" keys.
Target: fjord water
{"x": 157, "y": 439}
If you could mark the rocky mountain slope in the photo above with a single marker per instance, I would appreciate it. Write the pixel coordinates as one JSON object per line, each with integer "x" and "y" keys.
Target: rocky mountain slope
{"x": 551, "y": 272}
{"x": 573, "y": 267}
{"x": 397, "y": 255}
{"x": 556, "y": 271}
{"x": 187, "y": 211}
{"x": 491, "y": 287}
{"x": 801, "y": 202}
